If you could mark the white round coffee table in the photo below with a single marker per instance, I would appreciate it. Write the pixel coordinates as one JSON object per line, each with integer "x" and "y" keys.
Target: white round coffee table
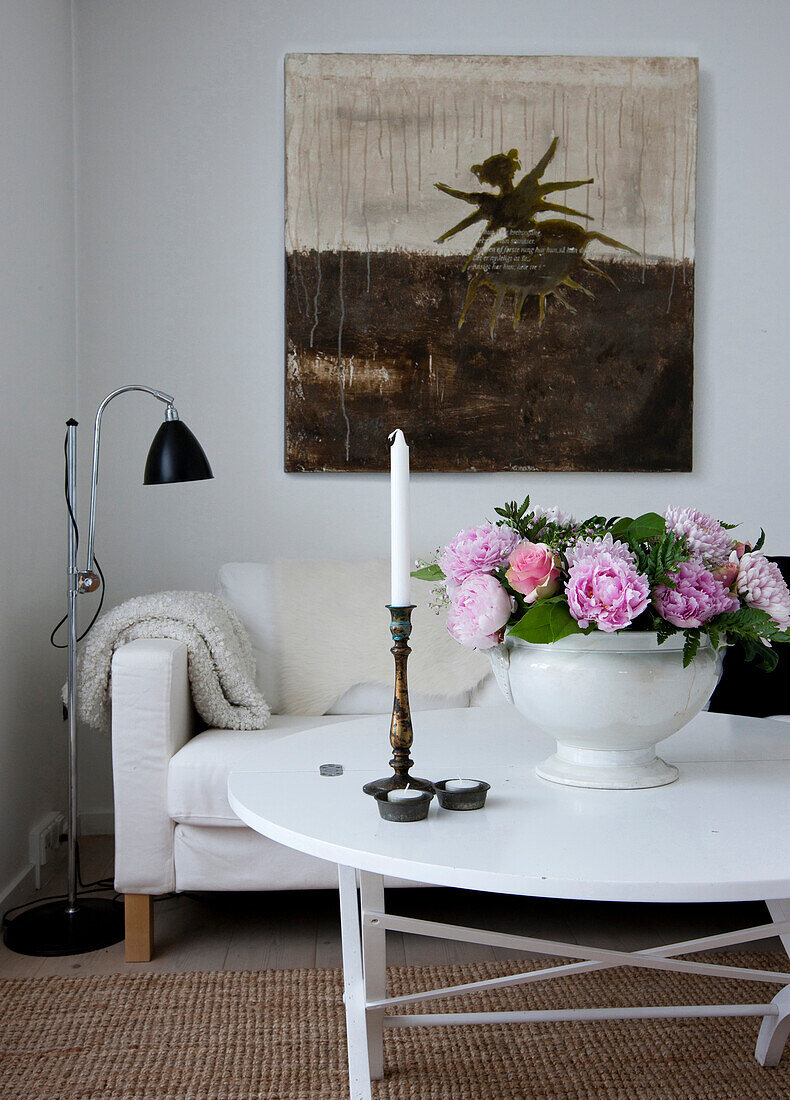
{"x": 720, "y": 833}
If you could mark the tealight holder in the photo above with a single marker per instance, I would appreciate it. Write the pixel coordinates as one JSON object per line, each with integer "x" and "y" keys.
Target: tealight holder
{"x": 414, "y": 808}
{"x": 401, "y": 734}
{"x": 464, "y": 798}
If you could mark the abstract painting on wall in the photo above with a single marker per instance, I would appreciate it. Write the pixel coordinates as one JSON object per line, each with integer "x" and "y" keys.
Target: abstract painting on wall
{"x": 495, "y": 254}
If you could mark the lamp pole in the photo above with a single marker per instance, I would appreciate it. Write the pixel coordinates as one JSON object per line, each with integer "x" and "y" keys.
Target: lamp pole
{"x": 79, "y": 924}
{"x": 71, "y": 710}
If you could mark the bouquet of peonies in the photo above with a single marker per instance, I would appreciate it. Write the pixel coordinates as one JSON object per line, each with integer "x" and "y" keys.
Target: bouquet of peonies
{"x": 540, "y": 575}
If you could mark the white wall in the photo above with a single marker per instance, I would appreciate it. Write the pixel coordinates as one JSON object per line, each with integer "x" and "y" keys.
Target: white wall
{"x": 181, "y": 259}
{"x": 37, "y": 360}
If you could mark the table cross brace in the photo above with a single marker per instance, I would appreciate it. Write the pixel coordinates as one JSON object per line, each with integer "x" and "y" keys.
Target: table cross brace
{"x": 651, "y": 958}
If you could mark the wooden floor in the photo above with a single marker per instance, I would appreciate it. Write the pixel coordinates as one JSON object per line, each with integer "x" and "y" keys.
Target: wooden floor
{"x": 285, "y": 930}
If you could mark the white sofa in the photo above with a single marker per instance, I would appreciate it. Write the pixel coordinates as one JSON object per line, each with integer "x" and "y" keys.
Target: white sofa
{"x": 174, "y": 828}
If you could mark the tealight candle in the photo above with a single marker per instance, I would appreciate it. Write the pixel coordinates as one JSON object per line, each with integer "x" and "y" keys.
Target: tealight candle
{"x": 462, "y": 794}
{"x": 403, "y": 795}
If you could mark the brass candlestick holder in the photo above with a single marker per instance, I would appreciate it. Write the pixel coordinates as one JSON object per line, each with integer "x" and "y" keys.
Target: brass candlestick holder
{"x": 401, "y": 734}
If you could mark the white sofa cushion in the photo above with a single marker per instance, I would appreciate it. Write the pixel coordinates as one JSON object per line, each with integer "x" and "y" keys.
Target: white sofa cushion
{"x": 250, "y": 588}
{"x": 197, "y": 779}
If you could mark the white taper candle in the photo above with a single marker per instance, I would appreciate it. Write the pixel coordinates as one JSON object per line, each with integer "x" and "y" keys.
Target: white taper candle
{"x": 399, "y": 520}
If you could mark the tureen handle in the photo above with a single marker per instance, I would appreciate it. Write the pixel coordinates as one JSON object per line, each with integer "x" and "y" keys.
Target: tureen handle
{"x": 499, "y": 656}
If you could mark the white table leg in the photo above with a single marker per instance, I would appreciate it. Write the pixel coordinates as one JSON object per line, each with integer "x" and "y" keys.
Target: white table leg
{"x": 374, "y": 961}
{"x": 774, "y": 1031}
{"x": 780, "y": 910}
{"x": 354, "y": 986}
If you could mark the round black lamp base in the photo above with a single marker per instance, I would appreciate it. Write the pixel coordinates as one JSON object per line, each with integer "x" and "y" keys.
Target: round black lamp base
{"x": 50, "y": 930}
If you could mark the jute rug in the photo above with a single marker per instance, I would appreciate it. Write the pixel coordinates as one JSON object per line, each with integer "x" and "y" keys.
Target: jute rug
{"x": 279, "y": 1035}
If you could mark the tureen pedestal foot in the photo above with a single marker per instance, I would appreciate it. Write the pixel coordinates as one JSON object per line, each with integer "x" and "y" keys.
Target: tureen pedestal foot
{"x": 607, "y": 769}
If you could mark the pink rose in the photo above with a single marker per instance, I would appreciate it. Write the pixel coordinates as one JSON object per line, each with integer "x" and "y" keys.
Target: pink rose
{"x": 605, "y": 589}
{"x": 476, "y": 550}
{"x": 533, "y": 571}
{"x": 727, "y": 572}
{"x": 697, "y": 598}
{"x": 479, "y": 609}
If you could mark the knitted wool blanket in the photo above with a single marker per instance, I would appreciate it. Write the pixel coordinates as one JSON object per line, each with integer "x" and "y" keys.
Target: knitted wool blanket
{"x": 220, "y": 659}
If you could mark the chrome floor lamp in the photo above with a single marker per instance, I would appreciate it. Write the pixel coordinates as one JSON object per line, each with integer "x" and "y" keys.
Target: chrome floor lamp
{"x": 74, "y": 924}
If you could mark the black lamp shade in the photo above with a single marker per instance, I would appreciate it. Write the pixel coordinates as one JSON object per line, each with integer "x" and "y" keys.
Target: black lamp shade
{"x": 175, "y": 455}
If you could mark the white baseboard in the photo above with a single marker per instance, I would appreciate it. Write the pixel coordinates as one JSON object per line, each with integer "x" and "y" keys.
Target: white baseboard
{"x": 19, "y": 890}
{"x": 96, "y": 823}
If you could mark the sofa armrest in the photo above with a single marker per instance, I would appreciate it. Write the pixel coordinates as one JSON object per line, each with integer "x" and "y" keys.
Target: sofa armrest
{"x": 152, "y": 718}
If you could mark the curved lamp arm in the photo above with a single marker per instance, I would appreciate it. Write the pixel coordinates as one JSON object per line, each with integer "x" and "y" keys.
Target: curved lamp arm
{"x": 89, "y": 581}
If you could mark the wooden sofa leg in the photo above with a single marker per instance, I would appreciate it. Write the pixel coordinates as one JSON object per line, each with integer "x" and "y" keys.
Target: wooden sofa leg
{"x": 139, "y": 919}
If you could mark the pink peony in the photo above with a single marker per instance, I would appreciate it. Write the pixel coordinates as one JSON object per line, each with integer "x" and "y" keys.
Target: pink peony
{"x": 477, "y": 550}
{"x": 533, "y": 571}
{"x": 762, "y": 585}
{"x": 698, "y": 598}
{"x": 706, "y": 537}
{"x": 479, "y": 609}
{"x": 605, "y": 589}
{"x": 584, "y": 548}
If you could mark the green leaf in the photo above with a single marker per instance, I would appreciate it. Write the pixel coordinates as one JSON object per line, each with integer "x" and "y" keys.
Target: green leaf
{"x": 663, "y": 559}
{"x": 664, "y": 630}
{"x": 516, "y": 515}
{"x": 767, "y": 659}
{"x": 752, "y": 628}
{"x": 620, "y": 528}
{"x": 691, "y": 646}
{"x": 648, "y": 526}
{"x": 546, "y": 621}
{"x": 750, "y": 622}
{"x": 761, "y": 655}
{"x": 760, "y": 542}
{"x": 729, "y": 526}
{"x": 429, "y": 573}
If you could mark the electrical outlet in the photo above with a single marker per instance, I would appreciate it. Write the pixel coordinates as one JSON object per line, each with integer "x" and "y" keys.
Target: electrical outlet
{"x": 44, "y": 839}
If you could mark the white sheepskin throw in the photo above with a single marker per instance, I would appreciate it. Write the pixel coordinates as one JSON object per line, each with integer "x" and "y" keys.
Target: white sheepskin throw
{"x": 220, "y": 659}
{"x": 334, "y": 631}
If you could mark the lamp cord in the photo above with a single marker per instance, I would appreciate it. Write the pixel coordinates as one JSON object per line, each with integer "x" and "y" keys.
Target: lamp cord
{"x": 73, "y": 521}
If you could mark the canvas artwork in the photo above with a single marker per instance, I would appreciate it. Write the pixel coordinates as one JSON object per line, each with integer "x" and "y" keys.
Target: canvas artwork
{"x": 495, "y": 254}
